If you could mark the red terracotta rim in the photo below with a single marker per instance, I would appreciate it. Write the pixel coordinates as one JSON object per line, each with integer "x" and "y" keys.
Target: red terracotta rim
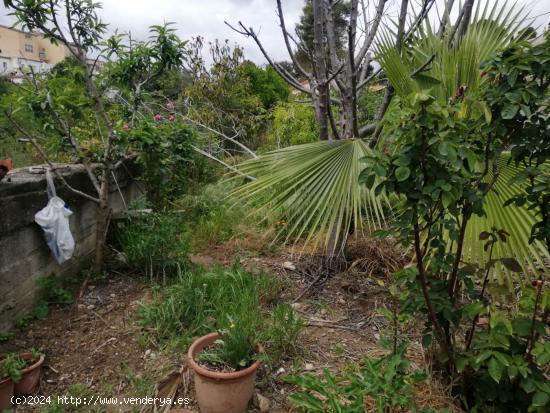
{"x": 5, "y": 379}
{"x": 28, "y": 356}
{"x": 205, "y": 341}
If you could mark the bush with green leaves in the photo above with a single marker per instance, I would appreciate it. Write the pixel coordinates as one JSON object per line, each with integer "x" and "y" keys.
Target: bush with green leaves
{"x": 520, "y": 101}
{"x": 442, "y": 168}
{"x": 154, "y": 243}
{"x": 171, "y": 165}
{"x": 231, "y": 301}
{"x": 293, "y": 124}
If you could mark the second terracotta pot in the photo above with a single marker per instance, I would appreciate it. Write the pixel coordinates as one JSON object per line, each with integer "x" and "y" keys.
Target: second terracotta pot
{"x": 6, "y": 393}
{"x": 30, "y": 377}
{"x": 221, "y": 392}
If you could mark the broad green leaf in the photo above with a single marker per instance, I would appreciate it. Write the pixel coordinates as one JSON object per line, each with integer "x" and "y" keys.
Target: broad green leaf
{"x": 540, "y": 399}
{"x": 402, "y": 173}
{"x": 495, "y": 369}
{"x": 508, "y": 112}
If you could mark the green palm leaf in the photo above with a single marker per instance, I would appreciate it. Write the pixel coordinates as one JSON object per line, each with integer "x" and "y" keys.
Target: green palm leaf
{"x": 314, "y": 188}
{"x": 517, "y": 221}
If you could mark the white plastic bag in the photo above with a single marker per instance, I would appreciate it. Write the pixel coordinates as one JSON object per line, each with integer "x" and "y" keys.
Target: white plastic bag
{"x": 54, "y": 220}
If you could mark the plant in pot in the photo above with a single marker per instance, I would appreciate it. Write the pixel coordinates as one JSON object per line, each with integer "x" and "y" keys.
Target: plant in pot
{"x": 11, "y": 367}
{"x": 30, "y": 375}
{"x": 225, "y": 365}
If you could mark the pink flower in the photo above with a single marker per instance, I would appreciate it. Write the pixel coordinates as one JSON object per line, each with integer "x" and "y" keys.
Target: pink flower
{"x": 158, "y": 117}
{"x": 171, "y": 118}
{"x": 125, "y": 126}
{"x": 170, "y": 106}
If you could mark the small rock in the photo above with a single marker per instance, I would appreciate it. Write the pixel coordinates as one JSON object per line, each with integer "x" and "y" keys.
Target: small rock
{"x": 377, "y": 336}
{"x": 280, "y": 371}
{"x": 262, "y": 403}
{"x": 297, "y": 306}
{"x": 287, "y": 265}
{"x": 147, "y": 352}
{"x": 91, "y": 307}
{"x": 113, "y": 295}
{"x": 309, "y": 367}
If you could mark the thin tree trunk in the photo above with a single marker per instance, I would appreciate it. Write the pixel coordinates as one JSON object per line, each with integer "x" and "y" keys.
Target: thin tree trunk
{"x": 320, "y": 84}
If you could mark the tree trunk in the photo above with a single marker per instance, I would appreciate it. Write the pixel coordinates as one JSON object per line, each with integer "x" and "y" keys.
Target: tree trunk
{"x": 319, "y": 64}
{"x": 102, "y": 223}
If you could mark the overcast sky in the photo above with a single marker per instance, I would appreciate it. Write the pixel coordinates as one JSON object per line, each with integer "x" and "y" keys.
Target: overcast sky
{"x": 206, "y": 17}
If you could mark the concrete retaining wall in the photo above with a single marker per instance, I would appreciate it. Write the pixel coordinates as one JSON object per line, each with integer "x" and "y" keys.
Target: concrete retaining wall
{"x": 24, "y": 255}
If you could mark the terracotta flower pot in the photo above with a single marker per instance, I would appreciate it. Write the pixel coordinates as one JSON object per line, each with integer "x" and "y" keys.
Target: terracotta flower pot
{"x": 30, "y": 377}
{"x": 6, "y": 393}
{"x": 218, "y": 392}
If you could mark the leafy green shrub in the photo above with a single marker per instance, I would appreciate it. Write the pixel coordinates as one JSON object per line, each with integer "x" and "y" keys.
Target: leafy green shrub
{"x": 228, "y": 300}
{"x": 387, "y": 381}
{"x": 368, "y": 104}
{"x": 166, "y": 151}
{"x": 293, "y": 124}
{"x": 155, "y": 244}
{"x": 505, "y": 368}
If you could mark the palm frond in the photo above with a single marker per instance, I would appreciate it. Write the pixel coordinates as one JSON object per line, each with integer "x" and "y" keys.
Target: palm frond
{"x": 313, "y": 190}
{"x": 517, "y": 221}
{"x": 456, "y": 62}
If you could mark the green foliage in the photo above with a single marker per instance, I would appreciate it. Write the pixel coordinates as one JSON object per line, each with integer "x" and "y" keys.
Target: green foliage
{"x": 155, "y": 244}
{"x": 519, "y": 100}
{"x": 505, "y": 367}
{"x": 231, "y": 96}
{"x": 138, "y": 66}
{"x": 53, "y": 292}
{"x": 452, "y": 62}
{"x": 211, "y": 217}
{"x": 443, "y": 152}
{"x": 171, "y": 166}
{"x": 280, "y": 337}
{"x": 293, "y": 124}
{"x": 313, "y": 187}
{"x": 387, "y": 381}
{"x": 368, "y": 104}
{"x": 228, "y": 300}
{"x": 11, "y": 366}
{"x": 304, "y": 30}
{"x": 56, "y": 110}
{"x": 265, "y": 83}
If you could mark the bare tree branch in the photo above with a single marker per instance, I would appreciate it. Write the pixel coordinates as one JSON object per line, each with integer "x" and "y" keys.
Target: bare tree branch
{"x": 284, "y": 74}
{"x": 287, "y": 42}
{"x": 43, "y": 155}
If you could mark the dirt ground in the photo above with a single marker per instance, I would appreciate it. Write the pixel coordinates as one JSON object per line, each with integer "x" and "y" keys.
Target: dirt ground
{"x": 95, "y": 347}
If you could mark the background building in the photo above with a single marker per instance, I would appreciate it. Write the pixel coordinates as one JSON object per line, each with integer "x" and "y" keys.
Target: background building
{"x": 20, "y": 50}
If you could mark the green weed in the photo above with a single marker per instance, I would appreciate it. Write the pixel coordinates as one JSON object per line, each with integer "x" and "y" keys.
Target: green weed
{"x": 229, "y": 300}
{"x": 155, "y": 244}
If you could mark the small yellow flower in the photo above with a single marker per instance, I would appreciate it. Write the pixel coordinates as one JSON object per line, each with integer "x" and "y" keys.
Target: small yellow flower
{"x": 232, "y": 326}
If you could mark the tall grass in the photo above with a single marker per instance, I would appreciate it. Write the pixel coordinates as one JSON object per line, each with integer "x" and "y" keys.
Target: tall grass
{"x": 222, "y": 299}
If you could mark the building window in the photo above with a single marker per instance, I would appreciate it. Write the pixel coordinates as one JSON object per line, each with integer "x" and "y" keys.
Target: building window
{"x": 5, "y": 65}
{"x": 28, "y": 48}
{"x": 28, "y": 36}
